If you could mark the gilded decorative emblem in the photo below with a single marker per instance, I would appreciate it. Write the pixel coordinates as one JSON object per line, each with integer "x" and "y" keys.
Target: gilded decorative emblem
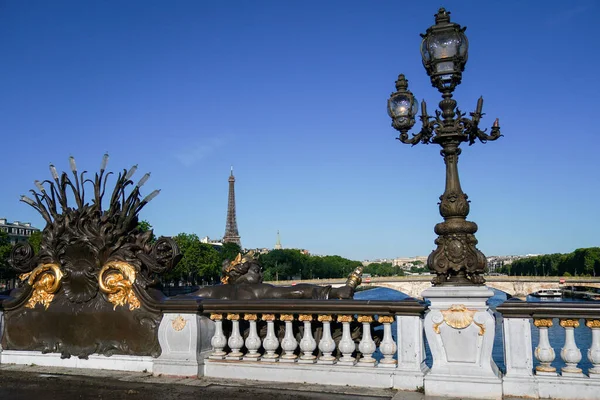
{"x": 116, "y": 280}
{"x": 365, "y": 318}
{"x": 250, "y": 317}
{"x": 386, "y": 319}
{"x": 178, "y": 323}
{"x": 233, "y": 317}
{"x": 543, "y": 322}
{"x": 325, "y": 318}
{"x": 268, "y": 317}
{"x": 45, "y": 280}
{"x": 569, "y": 323}
{"x": 216, "y": 317}
{"x": 305, "y": 317}
{"x": 345, "y": 318}
{"x": 458, "y": 316}
{"x": 593, "y": 323}
{"x": 286, "y": 317}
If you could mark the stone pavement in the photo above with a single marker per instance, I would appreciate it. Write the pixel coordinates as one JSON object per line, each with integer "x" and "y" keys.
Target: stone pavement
{"x": 25, "y": 382}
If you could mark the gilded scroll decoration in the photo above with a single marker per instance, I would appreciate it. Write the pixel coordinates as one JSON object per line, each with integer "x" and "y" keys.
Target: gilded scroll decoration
{"x": 45, "y": 280}
{"x": 116, "y": 280}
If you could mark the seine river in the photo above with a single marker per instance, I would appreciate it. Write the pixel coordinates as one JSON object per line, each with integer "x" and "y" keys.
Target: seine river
{"x": 583, "y": 335}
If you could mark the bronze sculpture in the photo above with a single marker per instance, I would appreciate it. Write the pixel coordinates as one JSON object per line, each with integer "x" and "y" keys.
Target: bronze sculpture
{"x": 242, "y": 280}
{"x": 88, "y": 288}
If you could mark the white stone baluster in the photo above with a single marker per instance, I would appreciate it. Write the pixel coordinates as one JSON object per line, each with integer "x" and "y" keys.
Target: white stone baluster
{"x": 236, "y": 341}
{"x": 308, "y": 344}
{"x": 289, "y": 342}
{"x": 544, "y": 352}
{"x": 346, "y": 345}
{"x": 218, "y": 340}
{"x": 270, "y": 342}
{"x": 387, "y": 346}
{"x": 366, "y": 345}
{"x": 326, "y": 344}
{"x": 570, "y": 353}
{"x": 594, "y": 350}
{"x": 253, "y": 340}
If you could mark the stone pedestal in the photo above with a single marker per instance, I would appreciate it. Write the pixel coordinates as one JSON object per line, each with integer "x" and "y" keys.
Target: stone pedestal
{"x": 460, "y": 331}
{"x": 185, "y": 343}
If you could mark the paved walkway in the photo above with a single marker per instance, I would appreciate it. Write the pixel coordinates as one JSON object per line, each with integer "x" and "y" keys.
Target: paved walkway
{"x": 19, "y": 382}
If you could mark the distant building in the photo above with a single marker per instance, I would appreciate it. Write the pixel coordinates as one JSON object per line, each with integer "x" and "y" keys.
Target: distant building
{"x": 409, "y": 262}
{"x": 278, "y": 243}
{"x": 208, "y": 240}
{"x": 17, "y": 231}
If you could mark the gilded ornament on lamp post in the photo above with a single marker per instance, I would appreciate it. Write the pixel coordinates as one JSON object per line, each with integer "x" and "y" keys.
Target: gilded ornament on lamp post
{"x": 456, "y": 260}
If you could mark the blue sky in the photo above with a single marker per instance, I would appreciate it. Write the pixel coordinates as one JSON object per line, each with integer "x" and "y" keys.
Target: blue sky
{"x": 293, "y": 95}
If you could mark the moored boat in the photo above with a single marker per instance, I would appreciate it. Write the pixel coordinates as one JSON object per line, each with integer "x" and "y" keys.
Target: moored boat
{"x": 548, "y": 293}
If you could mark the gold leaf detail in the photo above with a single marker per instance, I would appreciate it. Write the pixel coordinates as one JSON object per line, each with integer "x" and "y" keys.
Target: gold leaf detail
{"x": 345, "y": 318}
{"x": 569, "y": 323}
{"x": 458, "y": 316}
{"x": 365, "y": 318}
{"x": 543, "y": 322}
{"x": 305, "y": 317}
{"x": 592, "y": 323}
{"x": 45, "y": 280}
{"x": 543, "y": 368}
{"x": 216, "y": 316}
{"x": 116, "y": 279}
{"x": 386, "y": 319}
{"x": 268, "y": 317}
{"x": 286, "y": 317}
{"x": 250, "y": 317}
{"x": 233, "y": 317}
{"x": 325, "y": 318}
{"x": 178, "y": 323}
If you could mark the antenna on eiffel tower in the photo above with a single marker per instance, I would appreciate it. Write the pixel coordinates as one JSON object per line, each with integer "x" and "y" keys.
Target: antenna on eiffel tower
{"x": 278, "y": 244}
{"x": 231, "y": 230}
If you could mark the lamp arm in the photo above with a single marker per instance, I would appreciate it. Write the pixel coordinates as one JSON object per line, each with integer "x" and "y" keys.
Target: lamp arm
{"x": 473, "y": 132}
{"x": 424, "y": 135}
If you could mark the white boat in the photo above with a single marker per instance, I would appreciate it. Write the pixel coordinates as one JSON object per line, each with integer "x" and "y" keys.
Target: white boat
{"x": 548, "y": 293}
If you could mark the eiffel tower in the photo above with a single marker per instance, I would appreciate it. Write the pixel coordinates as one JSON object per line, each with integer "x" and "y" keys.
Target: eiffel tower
{"x": 231, "y": 230}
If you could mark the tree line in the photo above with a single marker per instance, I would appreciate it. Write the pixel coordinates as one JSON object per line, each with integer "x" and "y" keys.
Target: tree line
{"x": 581, "y": 262}
{"x": 202, "y": 263}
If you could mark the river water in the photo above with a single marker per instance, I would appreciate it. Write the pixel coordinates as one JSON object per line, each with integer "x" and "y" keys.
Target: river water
{"x": 583, "y": 335}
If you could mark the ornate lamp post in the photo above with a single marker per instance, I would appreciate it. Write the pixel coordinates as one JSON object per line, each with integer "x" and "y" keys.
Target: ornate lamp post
{"x": 456, "y": 261}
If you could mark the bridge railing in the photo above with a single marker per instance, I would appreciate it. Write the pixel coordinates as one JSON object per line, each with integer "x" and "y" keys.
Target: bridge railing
{"x": 349, "y": 342}
{"x": 527, "y": 324}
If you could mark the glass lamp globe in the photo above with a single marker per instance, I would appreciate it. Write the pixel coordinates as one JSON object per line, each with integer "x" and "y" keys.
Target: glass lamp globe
{"x": 402, "y": 106}
{"x": 444, "y": 50}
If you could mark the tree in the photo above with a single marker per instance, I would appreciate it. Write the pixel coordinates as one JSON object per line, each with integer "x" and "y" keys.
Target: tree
{"x": 6, "y": 271}
{"x": 144, "y": 226}
{"x": 229, "y": 251}
{"x": 200, "y": 261}
{"x": 35, "y": 240}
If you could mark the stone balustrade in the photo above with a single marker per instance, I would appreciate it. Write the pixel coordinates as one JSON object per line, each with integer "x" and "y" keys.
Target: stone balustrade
{"x": 372, "y": 344}
{"x": 523, "y": 323}
{"x": 318, "y": 342}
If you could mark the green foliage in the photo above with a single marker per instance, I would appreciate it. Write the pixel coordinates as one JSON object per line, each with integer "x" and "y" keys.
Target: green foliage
{"x": 581, "y": 262}
{"x": 288, "y": 263}
{"x": 229, "y": 251}
{"x": 35, "y": 240}
{"x": 382, "y": 269}
{"x": 200, "y": 261}
{"x": 144, "y": 226}
{"x": 6, "y": 271}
